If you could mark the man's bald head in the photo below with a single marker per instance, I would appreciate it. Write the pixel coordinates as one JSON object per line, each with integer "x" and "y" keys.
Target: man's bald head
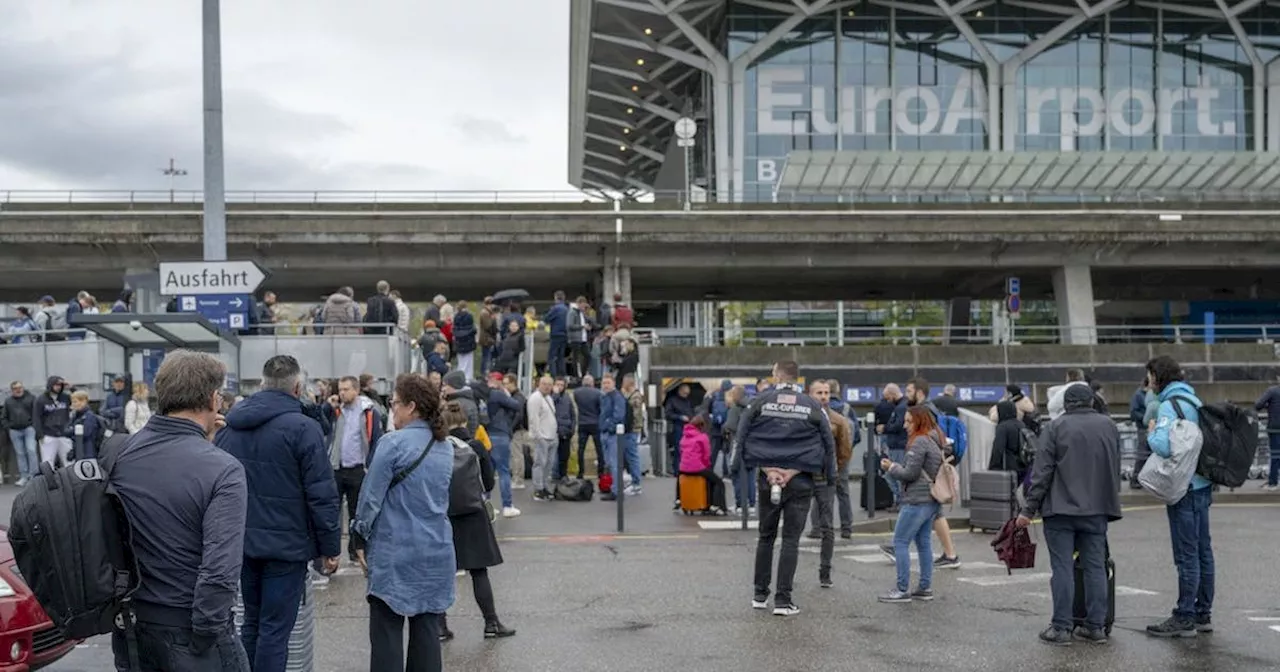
{"x": 892, "y": 392}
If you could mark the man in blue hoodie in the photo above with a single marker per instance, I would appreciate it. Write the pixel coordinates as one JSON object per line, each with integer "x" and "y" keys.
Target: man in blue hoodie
{"x": 1189, "y": 518}
{"x": 292, "y": 515}
{"x": 718, "y": 412}
{"x": 556, "y": 320}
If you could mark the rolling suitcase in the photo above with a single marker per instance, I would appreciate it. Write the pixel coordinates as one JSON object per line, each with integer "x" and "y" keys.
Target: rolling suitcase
{"x": 694, "y": 497}
{"x": 1078, "y": 609}
{"x": 991, "y": 499}
{"x": 883, "y": 496}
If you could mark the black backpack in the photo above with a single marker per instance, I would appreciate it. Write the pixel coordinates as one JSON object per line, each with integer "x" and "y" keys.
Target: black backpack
{"x": 1230, "y": 442}
{"x": 1029, "y": 442}
{"x": 73, "y": 545}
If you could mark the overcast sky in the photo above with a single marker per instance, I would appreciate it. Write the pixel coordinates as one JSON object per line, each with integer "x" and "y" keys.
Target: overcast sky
{"x": 319, "y": 94}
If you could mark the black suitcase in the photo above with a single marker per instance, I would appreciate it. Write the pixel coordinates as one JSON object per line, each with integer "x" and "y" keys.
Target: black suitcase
{"x": 1078, "y": 609}
{"x": 991, "y": 500}
{"x": 883, "y": 496}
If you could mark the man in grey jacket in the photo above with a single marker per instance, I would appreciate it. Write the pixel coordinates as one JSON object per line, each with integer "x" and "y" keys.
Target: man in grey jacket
{"x": 1077, "y": 498}
{"x": 188, "y": 532}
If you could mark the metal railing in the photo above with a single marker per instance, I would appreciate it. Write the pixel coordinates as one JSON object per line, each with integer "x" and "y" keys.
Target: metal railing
{"x": 978, "y": 335}
{"x": 985, "y": 199}
{"x": 327, "y": 355}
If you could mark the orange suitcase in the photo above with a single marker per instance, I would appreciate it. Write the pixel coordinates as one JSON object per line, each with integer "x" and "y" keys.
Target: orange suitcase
{"x": 693, "y": 493}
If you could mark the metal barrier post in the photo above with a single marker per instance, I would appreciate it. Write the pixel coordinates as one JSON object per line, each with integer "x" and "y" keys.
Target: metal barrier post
{"x": 870, "y": 470}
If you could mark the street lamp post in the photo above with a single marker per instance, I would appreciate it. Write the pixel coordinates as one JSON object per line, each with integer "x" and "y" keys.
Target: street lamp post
{"x": 686, "y": 129}
{"x": 173, "y": 172}
{"x": 215, "y": 209}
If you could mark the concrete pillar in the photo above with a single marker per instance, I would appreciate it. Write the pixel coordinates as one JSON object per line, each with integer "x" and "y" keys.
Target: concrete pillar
{"x": 145, "y": 283}
{"x": 1073, "y": 290}
{"x": 617, "y": 279}
{"x": 958, "y": 319}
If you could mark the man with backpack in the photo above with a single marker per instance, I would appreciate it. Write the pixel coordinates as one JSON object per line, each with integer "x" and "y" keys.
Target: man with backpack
{"x": 1189, "y": 518}
{"x": 188, "y": 532}
{"x": 718, "y": 410}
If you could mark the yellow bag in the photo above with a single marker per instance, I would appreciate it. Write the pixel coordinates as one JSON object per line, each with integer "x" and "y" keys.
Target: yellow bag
{"x": 483, "y": 437}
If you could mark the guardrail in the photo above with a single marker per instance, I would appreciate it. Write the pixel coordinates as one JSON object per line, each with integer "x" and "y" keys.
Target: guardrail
{"x": 979, "y": 335}
{"x": 330, "y": 356}
{"x": 987, "y": 198}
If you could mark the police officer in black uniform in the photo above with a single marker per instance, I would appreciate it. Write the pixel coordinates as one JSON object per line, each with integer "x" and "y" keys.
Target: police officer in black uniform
{"x": 783, "y": 433}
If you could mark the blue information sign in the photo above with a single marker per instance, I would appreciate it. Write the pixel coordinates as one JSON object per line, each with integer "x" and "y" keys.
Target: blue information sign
{"x": 229, "y": 312}
{"x": 151, "y": 359}
{"x": 232, "y": 383}
{"x": 977, "y": 393}
{"x": 859, "y": 395}
{"x": 1014, "y": 286}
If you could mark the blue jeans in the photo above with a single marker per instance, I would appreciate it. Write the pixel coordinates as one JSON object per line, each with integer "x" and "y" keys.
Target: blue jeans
{"x": 631, "y": 447}
{"x": 24, "y": 446}
{"x": 1192, "y": 554}
{"x": 915, "y": 523}
{"x": 501, "y": 454}
{"x": 272, "y": 591}
{"x": 1273, "y": 476}
{"x": 1064, "y": 535}
{"x": 898, "y": 456}
{"x": 606, "y": 444}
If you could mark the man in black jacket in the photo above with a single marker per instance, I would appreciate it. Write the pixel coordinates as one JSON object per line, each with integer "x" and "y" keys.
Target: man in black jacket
{"x": 785, "y": 434}
{"x": 17, "y": 415}
{"x": 381, "y": 309}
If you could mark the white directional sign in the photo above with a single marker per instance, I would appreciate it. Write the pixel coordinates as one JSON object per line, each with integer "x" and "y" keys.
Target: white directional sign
{"x": 209, "y": 277}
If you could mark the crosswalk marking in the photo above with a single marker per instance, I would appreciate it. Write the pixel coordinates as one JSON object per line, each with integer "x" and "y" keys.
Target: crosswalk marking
{"x": 1260, "y": 619}
{"x": 729, "y": 525}
{"x": 1004, "y": 580}
{"x": 1130, "y": 590}
{"x": 1275, "y": 627}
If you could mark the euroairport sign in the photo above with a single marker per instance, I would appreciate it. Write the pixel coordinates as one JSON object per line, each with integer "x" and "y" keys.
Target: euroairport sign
{"x": 199, "y": 278}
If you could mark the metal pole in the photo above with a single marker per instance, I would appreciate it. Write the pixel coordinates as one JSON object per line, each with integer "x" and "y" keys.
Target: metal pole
{"x": 688, "y": 176}
{"x": 871, "y": 468}
{"x": 215, "y": 210}
{"x": 620, "y": 438}
{"x": 840, "y": 323}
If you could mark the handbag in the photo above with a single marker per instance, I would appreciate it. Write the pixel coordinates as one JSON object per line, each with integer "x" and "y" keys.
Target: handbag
{"x": 490, "y": 511}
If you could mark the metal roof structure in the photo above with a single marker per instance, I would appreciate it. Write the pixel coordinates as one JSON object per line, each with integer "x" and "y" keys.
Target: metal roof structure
{"x": 1223, "y": 176}
{"x": 633, "y": 69}
{"x": 160, "y": 330}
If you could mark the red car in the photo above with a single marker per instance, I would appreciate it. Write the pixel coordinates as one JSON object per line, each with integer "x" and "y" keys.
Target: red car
{"x": 28, "y": 640}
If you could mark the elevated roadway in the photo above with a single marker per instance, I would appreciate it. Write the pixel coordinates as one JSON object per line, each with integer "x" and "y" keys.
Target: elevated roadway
{"x": 765, "y": 251}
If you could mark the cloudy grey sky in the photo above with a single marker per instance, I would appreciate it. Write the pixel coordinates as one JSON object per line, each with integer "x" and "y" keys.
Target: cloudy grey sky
{"x": 319, "y": 94}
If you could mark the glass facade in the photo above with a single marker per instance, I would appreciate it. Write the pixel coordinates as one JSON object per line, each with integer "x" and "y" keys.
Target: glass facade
{"x": 880, "y": 78}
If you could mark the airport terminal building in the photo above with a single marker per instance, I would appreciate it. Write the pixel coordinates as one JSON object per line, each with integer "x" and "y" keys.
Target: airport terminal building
{"x": 910, "y": 100}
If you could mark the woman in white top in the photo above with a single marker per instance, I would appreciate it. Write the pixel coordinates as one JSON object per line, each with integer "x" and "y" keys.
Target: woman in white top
{"x": 137, "y": 412}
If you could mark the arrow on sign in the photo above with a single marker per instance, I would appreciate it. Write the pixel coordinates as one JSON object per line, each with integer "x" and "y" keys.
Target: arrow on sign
{"x": 237, "y": 302}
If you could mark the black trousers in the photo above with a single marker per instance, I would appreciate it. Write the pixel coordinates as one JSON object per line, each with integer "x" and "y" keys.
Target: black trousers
{"x": 791, "y": 512}
{"x": 349, "y": 481}
{"x": 483, "y": 589}
{"x": 169, "y": 648}
{"x": 592, "y": 432}
{"x": 386, "y": 641}
{"x": 562, "y": 456}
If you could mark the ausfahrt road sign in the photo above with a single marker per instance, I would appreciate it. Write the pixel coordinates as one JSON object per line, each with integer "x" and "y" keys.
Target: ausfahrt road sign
{"x": 197, "y": 278}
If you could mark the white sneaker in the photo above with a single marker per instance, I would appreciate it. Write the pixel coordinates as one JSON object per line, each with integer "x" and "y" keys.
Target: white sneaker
{"x": 517, "y": 486}
{"x": 633, "y": 490}
{"x": 510, "y": 512}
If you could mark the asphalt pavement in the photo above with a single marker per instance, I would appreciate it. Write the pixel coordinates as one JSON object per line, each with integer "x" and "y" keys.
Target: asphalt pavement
{"x": 671, "y": 594}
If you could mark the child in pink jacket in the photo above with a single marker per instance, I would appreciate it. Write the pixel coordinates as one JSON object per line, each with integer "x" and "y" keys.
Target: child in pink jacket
{"x": 695, "y": 460}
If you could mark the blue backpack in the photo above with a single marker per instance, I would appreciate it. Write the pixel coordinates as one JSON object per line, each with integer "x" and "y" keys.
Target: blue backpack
{"x": 956, "y": 431}
{"x": 719, "y": 410}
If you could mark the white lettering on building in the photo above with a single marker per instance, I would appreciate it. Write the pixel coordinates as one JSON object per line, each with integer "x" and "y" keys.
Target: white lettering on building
{"x": 917, "y": 110}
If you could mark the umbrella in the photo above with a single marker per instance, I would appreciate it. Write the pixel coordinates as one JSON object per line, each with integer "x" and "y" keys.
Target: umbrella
{"x": 508, "y": 295}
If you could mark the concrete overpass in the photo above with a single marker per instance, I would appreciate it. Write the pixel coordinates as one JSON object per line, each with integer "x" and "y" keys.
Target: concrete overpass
{"x": 732, "y": 252}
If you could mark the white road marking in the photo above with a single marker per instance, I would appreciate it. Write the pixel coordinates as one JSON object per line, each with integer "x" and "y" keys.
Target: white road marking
{"x": 729, "y": 525}
{"x": 874, "y": 559}
{"x": 1130, "y": 591}
{"x": 1006, "y": 580}
{"x": 1276, "y": 628}
{"x": 1263, "y": 619}
{"x": 969, "y": 564}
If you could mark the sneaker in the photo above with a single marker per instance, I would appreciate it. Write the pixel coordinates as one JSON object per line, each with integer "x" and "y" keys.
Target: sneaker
{"x": 496, "y": 630}
{"x": 922, "y": 595}
{"x": 895, "y": 597}
{"x": 785, "y": 610}
{"x": 633, "y": 490}
{"x": 1056, "y": 637}
{"x": 1268, "y": 488}
{"x": 760, "y": 602}
{"x": 608, "y": 497}
{"x": 541, "y": 496}
{"x": 1204, "y": 624}
{"x": 813, "y": 535}
{"x": 446, "y": 635}
{"x": 517, "y": 486}
{"x": 510, "y": 512}
{"x": 846, "y": 534}
{"x": 888, "y": 552}
{"x": 943, "y": 562}
{"x": 825, "y": 582}
{"x": 1091, "y": 635}
{"x": 1173, "y": 627}
{"x": 22, "y": 482}
{"x": 751, "y": 510}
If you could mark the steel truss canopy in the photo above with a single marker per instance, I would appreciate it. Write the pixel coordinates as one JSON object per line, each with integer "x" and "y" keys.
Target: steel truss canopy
{"x": 161, "y": 330}
{"x": 1220, "y": 176}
